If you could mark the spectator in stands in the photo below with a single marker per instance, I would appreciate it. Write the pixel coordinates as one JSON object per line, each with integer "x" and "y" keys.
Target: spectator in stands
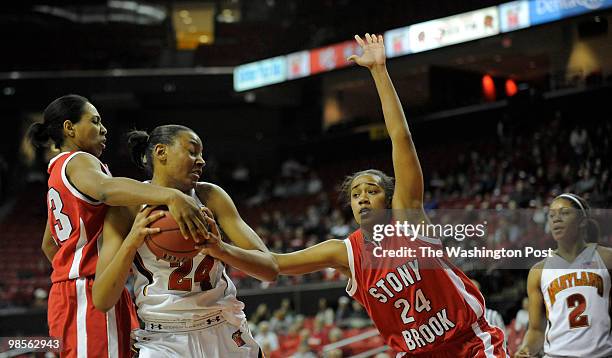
{"x": 40, "y": 297}
{"x": 266, "y": 336}
{"x": 522, "y": 316}
{"x": 325, "y": 314}
{"x": 314, "y": 184}
{"x": 335, "y": 335}
{"x": 343, "y": 311}
{"x": 340, "y": 228}
{"x": 334, "y": 353}
{"x": 262, "y": 313}
{"x": 280, "y": 321}
{"x": 358, "y": 318}
{"x": 292, "y": 167}
{"x": 266, "y": 350}
{"x": 304, "y": 351}
{"x": 578, "y": 140}
{"x": 586, "y": 182}
{"x": 319, "y": 334}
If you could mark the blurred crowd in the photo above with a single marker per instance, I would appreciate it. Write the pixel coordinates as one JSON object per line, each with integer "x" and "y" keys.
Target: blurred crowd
{"x": 284, "y": 333}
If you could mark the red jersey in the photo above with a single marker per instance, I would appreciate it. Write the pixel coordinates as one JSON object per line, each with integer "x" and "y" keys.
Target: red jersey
{"x": 419, "y": 304}
{"x": 76, "y": 222}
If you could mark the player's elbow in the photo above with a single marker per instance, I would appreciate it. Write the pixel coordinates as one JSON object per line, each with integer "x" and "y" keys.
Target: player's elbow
{"x": 271, "y": 272}
{"x": 98, "y": 300}
{"x": 104, "y": 190}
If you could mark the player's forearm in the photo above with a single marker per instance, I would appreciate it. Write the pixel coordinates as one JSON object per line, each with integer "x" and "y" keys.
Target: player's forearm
{"x": 534, "y": 340}
{"x": 129, "y": 192}
{"x": 291, "y": 264}
{"x": 49, "y": 249}
{"x": 393, "y": 113}
{"x": 109, "y": 285}
{"x": 260, "y": 265}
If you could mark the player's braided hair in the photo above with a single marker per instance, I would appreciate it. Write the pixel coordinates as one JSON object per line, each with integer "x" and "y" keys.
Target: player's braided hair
{"x": 387, "y": 182}
{"x": 69, "y": 107}
{"x": 141, "y": 143}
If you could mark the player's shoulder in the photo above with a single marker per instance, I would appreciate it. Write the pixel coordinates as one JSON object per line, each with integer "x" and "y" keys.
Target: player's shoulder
{"x": 535, "y": 273}
{"x": 83, "y": 158}
{"x": 78, "y": 161}
{"x": 206, "y": 189}
{"x": 538, "y": 265}
{"x": 606, "y": 255}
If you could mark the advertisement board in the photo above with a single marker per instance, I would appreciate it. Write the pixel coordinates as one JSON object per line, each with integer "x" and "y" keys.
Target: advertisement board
{"x": 454, "y": 29}
{"x": 542, "y": 11}
{"x": 514, "y": 15}
{"x": 260, "y": 73}
{"x": 397, "y": 42}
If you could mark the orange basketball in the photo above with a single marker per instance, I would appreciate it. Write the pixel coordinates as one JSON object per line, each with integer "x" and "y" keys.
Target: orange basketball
{"x": 169, "y": 244}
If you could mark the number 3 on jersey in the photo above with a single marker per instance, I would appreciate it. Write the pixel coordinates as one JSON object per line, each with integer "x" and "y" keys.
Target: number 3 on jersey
{"x": 177, "y": 281}
{"x": 62, "y": 224}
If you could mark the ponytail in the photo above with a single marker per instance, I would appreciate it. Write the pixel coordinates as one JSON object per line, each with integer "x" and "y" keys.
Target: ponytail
{"x": 38, "y": 134}
{"x": 69, "y": 107}
{"x": 138, "y": 141}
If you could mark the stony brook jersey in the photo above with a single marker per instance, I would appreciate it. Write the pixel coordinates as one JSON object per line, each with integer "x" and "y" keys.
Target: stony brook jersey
{"x": 418, "y": 304}
{"x": 577, "y": 298}
{"x": 75, "y": 221}
{"x": 183, "y": 292}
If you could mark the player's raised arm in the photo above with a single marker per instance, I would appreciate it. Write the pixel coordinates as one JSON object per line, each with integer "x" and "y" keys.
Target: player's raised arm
{"x": 85, "y": 173}
{"x": 116, "y": 254}
{"x": 408, "y": 175}
{"x": 534, "y": 338}
{"x": 249, "y": 254}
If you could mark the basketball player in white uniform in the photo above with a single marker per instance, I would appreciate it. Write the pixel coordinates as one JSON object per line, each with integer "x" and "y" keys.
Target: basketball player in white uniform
{"x": 573, "y": 286}
{"x": 188, "y": 309}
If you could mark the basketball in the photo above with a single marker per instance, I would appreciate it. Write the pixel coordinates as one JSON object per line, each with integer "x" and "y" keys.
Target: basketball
{"x": 169, "y": 244}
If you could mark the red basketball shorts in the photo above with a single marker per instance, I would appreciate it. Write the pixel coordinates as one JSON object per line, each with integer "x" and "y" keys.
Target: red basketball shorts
{"x": 84, "y": 330}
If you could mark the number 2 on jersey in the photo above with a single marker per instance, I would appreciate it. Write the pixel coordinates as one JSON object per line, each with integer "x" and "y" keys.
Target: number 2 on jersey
{"x": 576, "y": 317}
{"x": 62, "y": 225}
{"x": 178, "y": 280}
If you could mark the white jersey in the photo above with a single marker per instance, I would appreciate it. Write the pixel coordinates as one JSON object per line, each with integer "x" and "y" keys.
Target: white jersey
{"x": 577, "y": 298}
{"x": 175, "y": 293}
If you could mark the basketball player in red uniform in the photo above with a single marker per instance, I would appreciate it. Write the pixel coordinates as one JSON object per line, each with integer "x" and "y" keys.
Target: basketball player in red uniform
{"x": 423, "y": 307}
{"x": 80, "y": 190}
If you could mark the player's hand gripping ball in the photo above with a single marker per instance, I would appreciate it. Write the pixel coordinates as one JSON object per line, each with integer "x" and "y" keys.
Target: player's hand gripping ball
{"x": 169, "y": 245}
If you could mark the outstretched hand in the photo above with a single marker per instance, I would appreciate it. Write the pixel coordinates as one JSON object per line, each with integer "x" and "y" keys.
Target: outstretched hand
{"x": 373, "y": 51}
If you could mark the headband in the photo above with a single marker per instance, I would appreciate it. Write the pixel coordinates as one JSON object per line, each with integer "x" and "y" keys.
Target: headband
{"x": 573, "y": 198}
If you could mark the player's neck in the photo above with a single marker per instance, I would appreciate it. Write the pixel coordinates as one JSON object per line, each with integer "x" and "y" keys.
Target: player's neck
{"x": 68, "y": 146}
{"x": 570, "y": 250}
{"x": 165, "y": 182}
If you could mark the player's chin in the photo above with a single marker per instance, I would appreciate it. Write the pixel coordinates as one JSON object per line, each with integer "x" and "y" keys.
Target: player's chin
{"x": 193, "y": 179}
{"x": 97, "y": 151}
{"x": 190, "y": 182}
